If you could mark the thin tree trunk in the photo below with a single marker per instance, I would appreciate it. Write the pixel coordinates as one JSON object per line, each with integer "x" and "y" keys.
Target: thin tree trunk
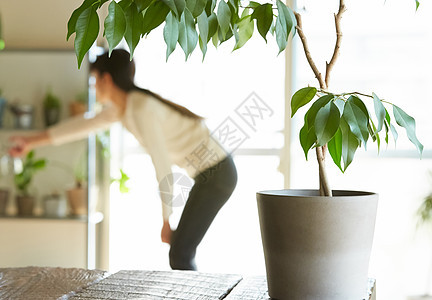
{"x": 325, "y": 189}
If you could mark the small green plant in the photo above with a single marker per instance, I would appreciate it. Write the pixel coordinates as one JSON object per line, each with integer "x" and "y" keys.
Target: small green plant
{"x": 122, "y": 181}
{"x": 51, "y": 101}
{"x": 424, "y": 212}
{"x": 30, "y": 167}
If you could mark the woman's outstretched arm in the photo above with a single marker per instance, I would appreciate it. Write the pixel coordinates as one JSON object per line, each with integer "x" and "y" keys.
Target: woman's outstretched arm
{"x": 21, "y": 145}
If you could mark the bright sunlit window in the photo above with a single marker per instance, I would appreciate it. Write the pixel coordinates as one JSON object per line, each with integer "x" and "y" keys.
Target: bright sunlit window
{"x": 221, "y": 88}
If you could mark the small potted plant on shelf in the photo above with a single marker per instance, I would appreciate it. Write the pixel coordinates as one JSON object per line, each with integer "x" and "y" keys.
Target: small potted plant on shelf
{"x": 78, "y": 106}
{"x": 77, "y": 195}
{"x": 317, "y": 243}
{"x": 30, "y": 166}
{"x": 51, "y": 108}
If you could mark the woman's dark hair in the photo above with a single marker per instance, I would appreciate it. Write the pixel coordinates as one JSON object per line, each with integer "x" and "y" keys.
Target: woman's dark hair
{"x": 122, "y": 71}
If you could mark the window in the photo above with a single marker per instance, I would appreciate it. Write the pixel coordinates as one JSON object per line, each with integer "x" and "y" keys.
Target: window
{"x": 223, "y": 88}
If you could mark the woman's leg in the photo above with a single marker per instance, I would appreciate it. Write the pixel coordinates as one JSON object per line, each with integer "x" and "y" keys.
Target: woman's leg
{"x": 211, "y": 190}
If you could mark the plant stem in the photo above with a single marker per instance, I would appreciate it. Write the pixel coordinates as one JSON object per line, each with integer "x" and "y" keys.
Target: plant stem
{"x": 336, "y": 51}
{"x": 307, "y": 52}
{"x": 325, "y": 189}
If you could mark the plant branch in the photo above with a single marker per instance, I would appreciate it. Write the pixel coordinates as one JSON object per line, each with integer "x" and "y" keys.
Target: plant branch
{"x": 338, "y": 17}
{"x": 307, "y": 52}
{"x": 324, "y": 187}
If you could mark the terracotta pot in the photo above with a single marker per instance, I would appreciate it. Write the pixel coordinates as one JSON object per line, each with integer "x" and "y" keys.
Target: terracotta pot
{"x": 317, "y": 247}
{"x": 4, "y": 197}
{"x": 25, "y": 205}
{"x": 77, "y": 199}
{"x": 77, "y": 108}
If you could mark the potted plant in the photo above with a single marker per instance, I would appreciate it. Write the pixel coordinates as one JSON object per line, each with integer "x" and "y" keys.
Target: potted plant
{"x": 79, "y": 105}
{"x": 23, "y": 179}
{"x": 51, "y": 108}
{"x": 316, "y": 243}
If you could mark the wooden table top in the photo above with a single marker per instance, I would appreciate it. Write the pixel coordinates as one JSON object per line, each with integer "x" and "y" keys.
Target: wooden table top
{"x": 61, "y": 283}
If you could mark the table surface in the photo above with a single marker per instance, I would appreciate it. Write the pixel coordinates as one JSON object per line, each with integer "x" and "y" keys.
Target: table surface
{"x": 60, "y": 283}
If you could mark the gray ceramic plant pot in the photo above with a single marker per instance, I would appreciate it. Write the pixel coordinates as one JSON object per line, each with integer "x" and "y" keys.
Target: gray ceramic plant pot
{"x": 317, "y": 247}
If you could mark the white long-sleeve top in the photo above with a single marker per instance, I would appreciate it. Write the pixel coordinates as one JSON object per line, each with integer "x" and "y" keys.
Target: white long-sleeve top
{"x": 169, "y": 137}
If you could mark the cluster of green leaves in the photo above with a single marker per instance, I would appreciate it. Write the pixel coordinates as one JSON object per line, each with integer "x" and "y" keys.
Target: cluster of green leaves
{"x": 30, "y": 167}
{"x": 344, "y": 123}
{"x": 51, "y": 101}
{"x": 425, "y": 210}
{"x": 187, "y": 23}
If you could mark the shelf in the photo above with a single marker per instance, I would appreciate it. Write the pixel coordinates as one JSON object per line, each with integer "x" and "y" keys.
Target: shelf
{"x": 42, "y": 218}
{"x": 95, "y": 218}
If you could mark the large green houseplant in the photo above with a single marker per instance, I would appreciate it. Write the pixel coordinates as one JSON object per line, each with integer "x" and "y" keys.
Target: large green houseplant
{"x": 310, "y": 252}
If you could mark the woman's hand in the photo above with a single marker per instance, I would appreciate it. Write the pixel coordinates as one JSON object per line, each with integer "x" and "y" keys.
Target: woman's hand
{"x": 166, "y": 232}
{"x": 21, "y": 145}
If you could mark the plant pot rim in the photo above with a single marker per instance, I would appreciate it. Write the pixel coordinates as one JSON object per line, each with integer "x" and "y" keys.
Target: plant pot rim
{"x": 311, "y": 193}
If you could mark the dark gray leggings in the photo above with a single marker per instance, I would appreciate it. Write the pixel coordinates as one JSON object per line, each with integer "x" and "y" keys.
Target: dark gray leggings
{"x": 211, "y": 190}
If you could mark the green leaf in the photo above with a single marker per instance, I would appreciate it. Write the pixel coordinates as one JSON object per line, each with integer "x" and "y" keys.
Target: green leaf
{"x": 316, "y": 106}
{"x": 211, "y": 5}
{"x": 176, "y": 6}
{"x": 245, "y": 29}
{"x": 30, "y": 155}
{"x": 188, "y": 36}
{"x": 196, "y": 7}
{"x": 334, "y": 147}
{"x": 417, "y": 4}
{"x": 228, "y": 35}
{"x": 302, "y": 97}
{"x": 115, "y": 25}
{"x": 380, "y": 111}
{"x": 406, "y": 121}
{"x": 124, "y": 4}
{"x": 39, "y": 164}
{"x": 154, "y": 16}
{"x": 143, "y": 4}
{"x": 171, "y": 33}
{"x": 386, "y": 127}
{"x": 224, "y": 18}
{"x": 264, "y": 16}
{"x": 75, "y": 15}
{"x": 392, "y": 128}
{"x": 285, "y": 23}
{"x": 213, "y": 26}
{"x": 340, "y": 104}
{"x": 134, "y": 24}
{"x": 326, "y": 123}
{"x": 87, "y": 29}
{"x": 203, "y": 27}
{"x": 215, "y": 38}
{"x": 307, "y": 137}
{"x": 356, "y": 119}
{"x": 350, "y": 143}
{"x": 374, "y": 134}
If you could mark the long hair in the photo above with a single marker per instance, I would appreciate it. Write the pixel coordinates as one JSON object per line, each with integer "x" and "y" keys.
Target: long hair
{"x": 122, "y": 71}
